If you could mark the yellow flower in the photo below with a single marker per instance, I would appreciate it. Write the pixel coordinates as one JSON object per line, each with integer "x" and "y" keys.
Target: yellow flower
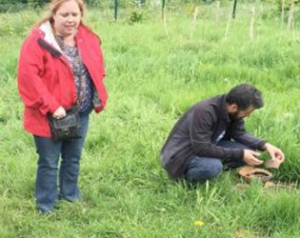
{"x": 199, "y": 223}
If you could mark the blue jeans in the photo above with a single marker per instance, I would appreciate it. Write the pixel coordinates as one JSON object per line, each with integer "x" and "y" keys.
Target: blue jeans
{"x": 49, "y": 151}
{"x": 201, "y": 169}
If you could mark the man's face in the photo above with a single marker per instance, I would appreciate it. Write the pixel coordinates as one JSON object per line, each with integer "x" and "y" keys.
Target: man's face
{"x": 237, "y": 114}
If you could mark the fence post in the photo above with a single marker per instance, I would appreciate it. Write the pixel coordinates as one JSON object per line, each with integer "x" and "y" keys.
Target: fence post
{"x": 116, "y": 9}
{"x": 234, "y": 8}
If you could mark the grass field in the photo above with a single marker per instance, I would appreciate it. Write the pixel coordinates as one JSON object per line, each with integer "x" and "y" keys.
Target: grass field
{"x": 152, "y": 79}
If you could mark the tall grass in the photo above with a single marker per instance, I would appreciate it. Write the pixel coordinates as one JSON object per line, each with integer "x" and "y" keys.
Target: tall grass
{"x": 152, "y": 79}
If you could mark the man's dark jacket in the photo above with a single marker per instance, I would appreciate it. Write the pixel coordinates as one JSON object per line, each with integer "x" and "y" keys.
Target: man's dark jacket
{"x": 197, "y": 133}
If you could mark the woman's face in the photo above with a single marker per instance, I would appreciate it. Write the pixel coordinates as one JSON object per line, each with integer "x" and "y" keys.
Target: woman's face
{"x": 67, "y": 18}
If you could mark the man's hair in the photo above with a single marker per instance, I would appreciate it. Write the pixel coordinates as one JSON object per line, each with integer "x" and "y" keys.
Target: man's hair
{"x": 244, "y": 96}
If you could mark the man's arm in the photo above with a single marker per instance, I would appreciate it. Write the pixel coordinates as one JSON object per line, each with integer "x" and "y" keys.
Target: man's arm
{"x": 239, "y": 134}
{"x": 201, "y": 129}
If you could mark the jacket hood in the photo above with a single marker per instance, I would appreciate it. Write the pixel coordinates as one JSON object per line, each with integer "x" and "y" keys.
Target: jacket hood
{"x": 49, "y": 37}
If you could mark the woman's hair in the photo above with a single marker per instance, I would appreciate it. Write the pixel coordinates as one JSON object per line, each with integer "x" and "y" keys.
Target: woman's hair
{"x": 54, "y": 5}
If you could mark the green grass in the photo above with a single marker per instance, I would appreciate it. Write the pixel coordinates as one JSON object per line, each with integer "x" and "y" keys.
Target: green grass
{"x": 152, "y": 79}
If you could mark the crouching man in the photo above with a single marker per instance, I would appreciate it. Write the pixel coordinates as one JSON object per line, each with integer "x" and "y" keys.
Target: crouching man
{"x": 211, "y": 135}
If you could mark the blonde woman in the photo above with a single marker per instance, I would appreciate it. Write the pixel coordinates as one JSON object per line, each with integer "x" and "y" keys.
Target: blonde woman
{"x": 60, "y": 64}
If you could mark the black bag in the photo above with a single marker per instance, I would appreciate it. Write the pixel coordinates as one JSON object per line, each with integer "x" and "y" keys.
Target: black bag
{"x": 66, "y": 128}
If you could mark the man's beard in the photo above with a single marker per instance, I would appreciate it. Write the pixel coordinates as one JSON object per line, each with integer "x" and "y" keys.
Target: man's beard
{"x": 233, "y": 116}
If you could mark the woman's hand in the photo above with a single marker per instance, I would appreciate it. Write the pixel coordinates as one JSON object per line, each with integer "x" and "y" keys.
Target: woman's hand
{"x": 59, "y": 113}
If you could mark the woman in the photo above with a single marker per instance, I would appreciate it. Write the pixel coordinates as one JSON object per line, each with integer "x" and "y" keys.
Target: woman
{"x": 60, "y": 61}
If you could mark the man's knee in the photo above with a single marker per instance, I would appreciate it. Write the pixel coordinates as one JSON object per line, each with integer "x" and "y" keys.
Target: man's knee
{"x": 204, "y": 169}
{"x": 216, "y": 168}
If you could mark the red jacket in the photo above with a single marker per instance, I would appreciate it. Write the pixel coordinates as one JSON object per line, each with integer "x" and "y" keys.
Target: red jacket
{"x": 45, "y": 78}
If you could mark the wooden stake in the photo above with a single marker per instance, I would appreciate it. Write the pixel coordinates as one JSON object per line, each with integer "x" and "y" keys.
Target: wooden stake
{"x": 293, "y": 30}
{"x": 282, "y": 12}
{"x": 165, "y": 22}
{"x": 251, "y": 31}
{"x": 260, "y": 22}
{"x": 217, "y": 13}
{"x": 194, "y": 21}
{"x": 291, "y": 14}
{"x": 164, "y": 16}
{"x": 227, "y": 27}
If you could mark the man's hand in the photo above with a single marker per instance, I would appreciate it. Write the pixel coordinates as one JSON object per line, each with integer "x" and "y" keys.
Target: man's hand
{"x": 274, "y": 152}
{"x": 250, "y": 158}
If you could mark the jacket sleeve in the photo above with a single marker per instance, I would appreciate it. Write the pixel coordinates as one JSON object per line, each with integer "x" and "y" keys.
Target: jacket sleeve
{"x": 239, "y": 134}
{"x": 32, "y": 89}
{"x": 201, "y": 131}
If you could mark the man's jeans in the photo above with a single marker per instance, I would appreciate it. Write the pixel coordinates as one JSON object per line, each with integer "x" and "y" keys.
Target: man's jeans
{"x": 46, "y": 191}
{"x": 201, "y": 169}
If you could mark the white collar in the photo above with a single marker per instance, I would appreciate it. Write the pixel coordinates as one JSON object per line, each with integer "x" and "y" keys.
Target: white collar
{"x": 49, "y": 36}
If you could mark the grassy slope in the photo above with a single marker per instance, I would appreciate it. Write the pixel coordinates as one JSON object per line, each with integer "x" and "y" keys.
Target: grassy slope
{"x": 151, "y": 80}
